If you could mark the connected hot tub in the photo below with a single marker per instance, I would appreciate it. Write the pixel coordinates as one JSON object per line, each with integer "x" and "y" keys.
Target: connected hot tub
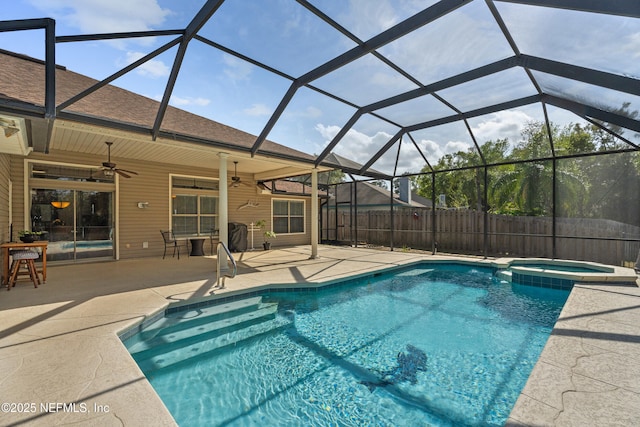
{"x": 560, "y": 274}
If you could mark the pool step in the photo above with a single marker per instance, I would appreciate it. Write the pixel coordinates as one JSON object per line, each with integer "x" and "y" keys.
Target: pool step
{"x": 505, "y": 275}
{"x": 195, "y": 337}
{"x": 188, "y": 319}
{"x": 188, "y": 329}
{"x": 415, "y": 272}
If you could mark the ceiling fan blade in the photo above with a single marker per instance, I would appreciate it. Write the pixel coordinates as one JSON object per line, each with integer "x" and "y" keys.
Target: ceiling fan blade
{"x": 127, "y": 171}
{"x": 122, "y": 173}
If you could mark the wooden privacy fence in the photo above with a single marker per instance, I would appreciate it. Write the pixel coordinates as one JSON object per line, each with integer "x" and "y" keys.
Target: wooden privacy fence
{"x": 462, "y": 231}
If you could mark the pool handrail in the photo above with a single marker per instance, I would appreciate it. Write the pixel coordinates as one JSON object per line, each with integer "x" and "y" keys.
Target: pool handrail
{"x": 234, "y": 269}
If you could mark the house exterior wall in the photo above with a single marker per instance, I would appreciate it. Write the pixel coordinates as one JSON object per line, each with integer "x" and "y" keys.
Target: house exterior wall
{"x": 240, "y": 196}
{"x": 17, "y": 194}
{"x": 5, "y": 164}
{"x": 152, "y": 185}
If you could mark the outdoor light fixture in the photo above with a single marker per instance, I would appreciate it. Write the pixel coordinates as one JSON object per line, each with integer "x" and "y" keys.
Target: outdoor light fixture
{"x": 143, "y": 205}
{"x": 10, "y": 131}
{"x": 60, "y": 205}
{"x": 9, "y": 127}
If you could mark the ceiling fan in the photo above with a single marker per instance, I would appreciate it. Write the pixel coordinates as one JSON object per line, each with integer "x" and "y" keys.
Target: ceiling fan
{"x": 235, "y": 179}
{"x": 109, "y": 168}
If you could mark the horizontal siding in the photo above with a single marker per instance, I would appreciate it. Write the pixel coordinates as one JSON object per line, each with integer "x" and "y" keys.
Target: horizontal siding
{"x": 17, "y": 170}
{"x": 244, "y": 194}
{"x": 137, "y": 226}
{"x": 240, "y": 196}
{"x": 5, "y": 164}
{"x": 143, "y": 225}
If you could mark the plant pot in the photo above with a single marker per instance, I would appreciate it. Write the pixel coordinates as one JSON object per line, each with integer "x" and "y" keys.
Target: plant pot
{"x": 266, "y": 246}
{"x": 29, "y": 238}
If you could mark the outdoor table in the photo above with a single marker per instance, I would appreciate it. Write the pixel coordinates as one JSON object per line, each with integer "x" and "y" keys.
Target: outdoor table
{"x": 6, "y": 247}
{"x": 197, "y": 244}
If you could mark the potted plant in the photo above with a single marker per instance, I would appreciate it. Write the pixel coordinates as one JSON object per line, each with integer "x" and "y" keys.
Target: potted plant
{"x": 268, "y": 234}
{"x": 28, "y": 236}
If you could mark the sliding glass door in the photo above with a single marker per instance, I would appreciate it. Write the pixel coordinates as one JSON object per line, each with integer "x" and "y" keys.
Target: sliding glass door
{"x": 78, "y": 223}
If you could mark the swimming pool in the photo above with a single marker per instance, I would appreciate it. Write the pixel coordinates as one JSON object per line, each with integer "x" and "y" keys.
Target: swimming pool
{"x": 433, "y": 345}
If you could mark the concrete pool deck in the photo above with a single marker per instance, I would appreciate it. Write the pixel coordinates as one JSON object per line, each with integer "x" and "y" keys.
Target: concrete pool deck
{"x": 63, "y": 363}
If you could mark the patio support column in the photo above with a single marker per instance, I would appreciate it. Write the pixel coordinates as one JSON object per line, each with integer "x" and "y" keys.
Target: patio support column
{"x": 223, "y": 216}
{"x": 314, "y": 213}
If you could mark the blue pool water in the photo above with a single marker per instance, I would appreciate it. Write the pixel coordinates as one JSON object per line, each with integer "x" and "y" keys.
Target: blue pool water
{"x": 444, "y": 346}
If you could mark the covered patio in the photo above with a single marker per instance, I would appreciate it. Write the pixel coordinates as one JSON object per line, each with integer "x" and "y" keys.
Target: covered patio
{"x": 61, "y": 346}
{"x": 368, "y": 85}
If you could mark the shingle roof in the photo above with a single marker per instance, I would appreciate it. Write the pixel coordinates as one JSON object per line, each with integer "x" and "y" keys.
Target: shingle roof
{"x": 23, "y": 80}
{"x": 370, "y": 195}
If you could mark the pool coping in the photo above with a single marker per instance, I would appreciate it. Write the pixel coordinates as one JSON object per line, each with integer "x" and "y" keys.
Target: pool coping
{"x": 60, "y": 343}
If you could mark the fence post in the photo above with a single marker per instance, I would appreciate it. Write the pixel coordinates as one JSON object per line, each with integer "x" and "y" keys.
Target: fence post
{"x": 553, "y": 207}
{"x": 485, "y": 209}
{"x": 355, "y": 216}
{"x": 391, "y": 211}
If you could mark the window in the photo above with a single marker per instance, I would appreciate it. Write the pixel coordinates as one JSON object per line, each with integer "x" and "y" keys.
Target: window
{"x": 288, "y": 216}
{"x": 193, "y": 212}
{"x": 68, "y": 173}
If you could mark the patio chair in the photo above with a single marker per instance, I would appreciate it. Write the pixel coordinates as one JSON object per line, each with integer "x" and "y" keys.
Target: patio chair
{"x": 171, "y": 241}
{"x": 26, "y": 258}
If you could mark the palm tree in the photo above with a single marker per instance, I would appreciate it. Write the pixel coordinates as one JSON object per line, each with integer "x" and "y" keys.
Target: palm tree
{"x": 527, "y": 188}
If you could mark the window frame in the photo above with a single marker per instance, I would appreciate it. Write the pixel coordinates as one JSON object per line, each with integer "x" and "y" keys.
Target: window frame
{"x": 198, "y": 194}
{"x": 289, "y": 216}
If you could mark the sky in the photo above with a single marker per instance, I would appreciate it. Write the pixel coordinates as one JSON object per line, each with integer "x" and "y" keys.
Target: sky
{"x": 283, "y": 35}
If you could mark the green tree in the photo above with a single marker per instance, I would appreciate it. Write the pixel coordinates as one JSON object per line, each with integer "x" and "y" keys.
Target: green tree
{"x": 602, "y": 186}
{"x": 454, "y": 185}
{"x": 526, "y": 188}
{"x": 464, "y": 188}
{"x": 575, "y": 139}
{"x": 606, "y": 141}
{"x": 612, "y": 180}
{"x": 523, "y": 190}
{"x": 334, "y": 176}
{"x": 614, "y": 183}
